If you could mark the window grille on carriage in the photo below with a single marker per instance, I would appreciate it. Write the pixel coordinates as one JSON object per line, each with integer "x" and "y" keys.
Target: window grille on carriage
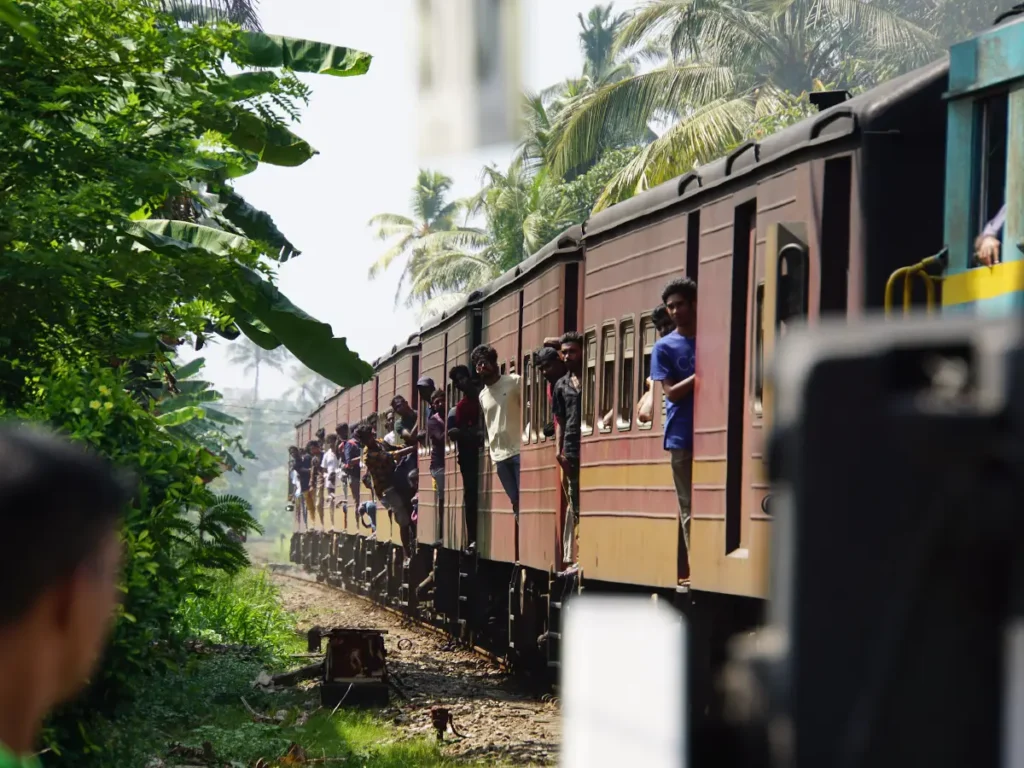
{"x": 527, "y": 397}
{"x": 607, "y": 379}
{"x": 589, "y": 380}
{"x": 626, "y": 375}
{"x": 648, "y": 336}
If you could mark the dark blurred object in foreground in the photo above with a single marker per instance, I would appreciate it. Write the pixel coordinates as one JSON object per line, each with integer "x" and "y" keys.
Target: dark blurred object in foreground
{"x": 894, "y": 632}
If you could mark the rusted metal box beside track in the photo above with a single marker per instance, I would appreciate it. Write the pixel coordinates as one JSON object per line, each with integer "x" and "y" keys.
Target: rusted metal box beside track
{"x": 355, "y": 669}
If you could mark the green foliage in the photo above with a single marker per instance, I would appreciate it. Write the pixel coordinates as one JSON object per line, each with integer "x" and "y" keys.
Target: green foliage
{"x": 200, "y": 699}
{"x": 117, "y": 115}
{"x": 121, "y": 238}
{"x": 239, "y": 609}
{"x": 164, "y": 560}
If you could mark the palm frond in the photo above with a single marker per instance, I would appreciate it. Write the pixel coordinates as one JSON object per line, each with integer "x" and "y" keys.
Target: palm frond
{"x": 697, "y": 139}
{"x": 388, "y": 257}
{"x": 241, "y": 12}
{"x": 630, "y": 104}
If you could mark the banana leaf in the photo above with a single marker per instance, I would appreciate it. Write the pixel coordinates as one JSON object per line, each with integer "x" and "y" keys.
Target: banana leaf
{"x": 190, "y": 369}
{"x": 273, "y": 144}
{"x": 311, "y": 341}
{"x": 180, "y": 416}
{"x": 263, "y": 50}
{"x": 221, "y": 418}
{"x": 255, "y": 223}
{"x": 245, "y": 85}
{"x": 176, "y": 238}
{"x": 13, "y": 16}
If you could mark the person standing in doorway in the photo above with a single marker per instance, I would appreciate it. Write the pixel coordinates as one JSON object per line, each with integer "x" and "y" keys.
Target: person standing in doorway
{"x": 552, "y": 367}
{"x": 329, "y": 463}
{"x": 464, "y": 428}
{"x": 425, "y": 389}
{"x": 436, "y": 443}
{"x": 304, "y": 467}
{"x": 674, "y": 364}
{"x": 405, "y": 420}
{"x": 501, "y": 405}
{"x": 645, "y": 407}
{"x": 351, "y": 462}
{"x": 568, "y": 412}
{"x": 316, "y": 482}
{"x": 382, "y": 472}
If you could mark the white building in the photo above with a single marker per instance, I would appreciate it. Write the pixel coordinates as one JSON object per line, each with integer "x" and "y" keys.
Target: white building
{"x": 469, "y": 74}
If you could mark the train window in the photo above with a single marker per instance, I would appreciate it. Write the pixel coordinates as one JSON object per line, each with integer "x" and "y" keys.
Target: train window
{"x": 607, "y": 405}
{"x": 648, "y": 337}
{"x": 990, "y": 173}
{"x": 758, "y": 372}
{"x": 589, "y": 380}
{"x": 526, "y": 382}
{"x": 626, "y": 372}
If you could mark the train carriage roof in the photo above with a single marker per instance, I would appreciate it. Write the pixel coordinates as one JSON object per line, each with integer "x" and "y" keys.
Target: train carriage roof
{"x": 833, "y": 124}
{"x": 567, "y": 242}
{"x": 411, "y": 343}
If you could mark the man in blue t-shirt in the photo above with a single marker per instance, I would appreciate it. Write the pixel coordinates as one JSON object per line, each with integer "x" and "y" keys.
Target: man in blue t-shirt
{"x": 673, "y": 363}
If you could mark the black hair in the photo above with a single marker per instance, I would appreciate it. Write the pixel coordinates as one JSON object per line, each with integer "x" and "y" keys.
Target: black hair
{"x": 80, "y": 511}
{"x": 310, "y": 445}
{"x": 362, "y": 428}
{"x": 660, "y": 314}
{"x": 437, "y": 393}
{"x": 683, "y": 286}
{"x": 341, "y": 428}
{"x": 483, "y": 352}
{"x": 293, "y": 449}
{"x": 459, "y": 370}
{"x": 572, "y": 337}
{"x": 397, "y": 399}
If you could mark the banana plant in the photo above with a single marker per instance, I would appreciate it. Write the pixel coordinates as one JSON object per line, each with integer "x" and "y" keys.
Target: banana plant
{"x": 225, "y": 224}
{"x": 183, "y": 408}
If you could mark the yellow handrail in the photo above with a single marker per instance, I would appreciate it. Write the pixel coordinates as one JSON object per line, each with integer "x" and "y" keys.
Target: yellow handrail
{"x": 908, "y": 274}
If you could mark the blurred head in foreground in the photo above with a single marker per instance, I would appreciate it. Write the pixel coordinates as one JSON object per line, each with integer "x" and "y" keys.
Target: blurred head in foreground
{"x": 60, "y": 509}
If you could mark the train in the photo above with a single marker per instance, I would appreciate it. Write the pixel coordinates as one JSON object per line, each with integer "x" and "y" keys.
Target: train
{"x": 820, "y": 219}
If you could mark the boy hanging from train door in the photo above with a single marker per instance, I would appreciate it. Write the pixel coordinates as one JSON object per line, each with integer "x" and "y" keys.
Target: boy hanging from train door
{"x": 673, "y": 363}
{"x": 330, "y": 470}
{"x": 464, "y": 431}
{"x": 352, "y": 460}
{"x": 501, "y": 406}
{"x": 567, "y": 409}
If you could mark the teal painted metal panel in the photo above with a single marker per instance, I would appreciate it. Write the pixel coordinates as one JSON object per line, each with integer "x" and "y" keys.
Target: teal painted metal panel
{"x": 960, "y": 144}
{"x": 992, "y": 58}
{"x": 1013, "y": 233}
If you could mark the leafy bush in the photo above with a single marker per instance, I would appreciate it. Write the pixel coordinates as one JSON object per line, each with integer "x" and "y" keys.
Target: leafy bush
{"x": 169, "y": 535}
{"x": 239, "y": 609}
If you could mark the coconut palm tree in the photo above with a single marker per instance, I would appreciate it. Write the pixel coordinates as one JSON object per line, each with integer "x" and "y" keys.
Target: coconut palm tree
{"x": 599, "y": 30}
{"x": 241, "y": 12}
{"x": 603, "y": 65}
{"x": 252, "y": 358}
{"x": 309, "y": 389}
{"x": 727, "y": 64}
{"x": 433, "y": 221}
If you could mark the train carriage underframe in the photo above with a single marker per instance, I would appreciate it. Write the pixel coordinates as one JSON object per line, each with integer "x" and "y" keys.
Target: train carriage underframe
{"x": 511, "y": 612}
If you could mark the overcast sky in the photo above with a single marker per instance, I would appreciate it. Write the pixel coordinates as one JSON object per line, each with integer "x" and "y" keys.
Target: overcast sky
{"x": 365, "y": 129}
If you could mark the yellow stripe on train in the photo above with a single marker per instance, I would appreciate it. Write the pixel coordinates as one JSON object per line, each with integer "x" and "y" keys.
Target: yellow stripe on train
{"x": 983, "y": 283}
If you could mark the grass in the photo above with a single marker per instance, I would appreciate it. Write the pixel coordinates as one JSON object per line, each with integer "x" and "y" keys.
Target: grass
{"x": 202, "y": 700}
{"x": 202, "y": 703}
